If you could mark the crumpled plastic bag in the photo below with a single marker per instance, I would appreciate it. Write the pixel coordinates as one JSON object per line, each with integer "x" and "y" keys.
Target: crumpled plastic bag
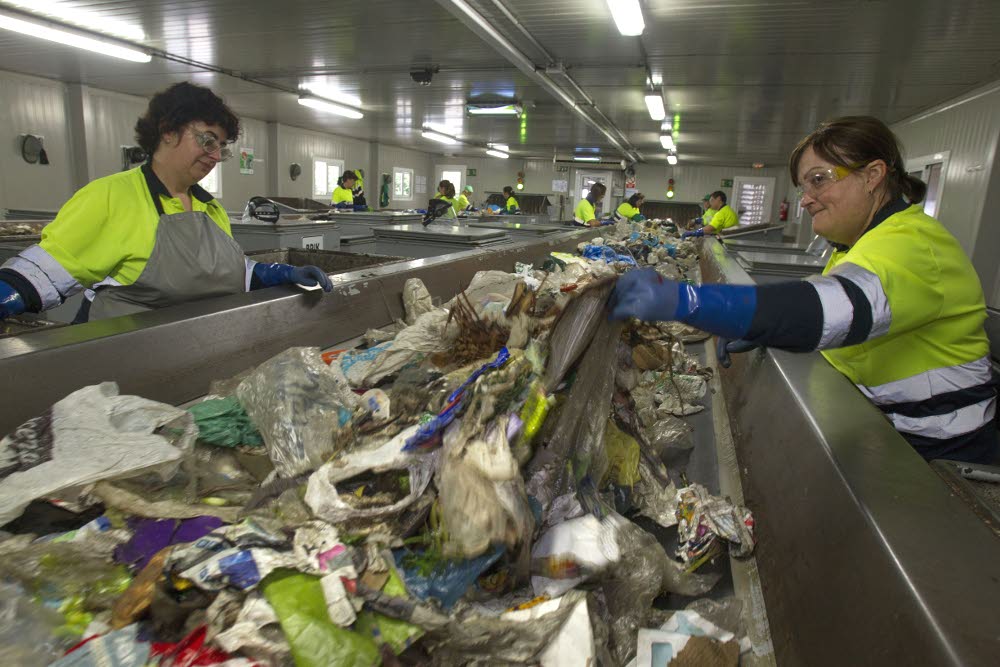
{"x": 416, "y": 299}
{"x": 223, "y": 422}
{"x": 623, "y": 456}
{"x": 256, "y": 632}
{"x": 573, "y": 644}
{"x": 120, "y": 648}
{"x": 448, "y": 581}
{"x": 27, "y": 629}
{"x": 482, "y": 496}
{"x": 324, "y": 499}
{"x": 298, "y": 403}
{"x": 485, "y": 283}
{"x": 642, "y": 572}
{"x": 93, "y": 434}
{"x": 703, "y": 518}
{"x": 430, "y": 333}
{"x": 572, "y": 552}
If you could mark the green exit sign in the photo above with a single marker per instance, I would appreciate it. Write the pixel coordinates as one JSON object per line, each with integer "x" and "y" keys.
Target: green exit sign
{"x": 471, "y": 172}
{"x": 727, "y": 182}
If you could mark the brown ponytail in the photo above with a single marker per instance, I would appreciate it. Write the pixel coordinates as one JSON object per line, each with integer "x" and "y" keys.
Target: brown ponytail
{"x": 854, "y": 141}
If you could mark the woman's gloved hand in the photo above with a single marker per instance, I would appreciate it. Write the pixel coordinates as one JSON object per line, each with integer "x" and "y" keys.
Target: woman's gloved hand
{"x": 646, "y": 295}
{"x": 725, "y": 346}
{"x": 11, "y": 301}
{"x": 698, "y": 233}
{"x": 270, "y": 275}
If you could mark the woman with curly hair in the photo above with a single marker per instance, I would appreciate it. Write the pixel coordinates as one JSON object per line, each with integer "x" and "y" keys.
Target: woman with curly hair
{"x": 148, "y": 237}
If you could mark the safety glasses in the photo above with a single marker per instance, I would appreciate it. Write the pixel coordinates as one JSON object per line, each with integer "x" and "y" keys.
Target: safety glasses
{"x": 210, "y": 143}
{"x": 818, "y": 180}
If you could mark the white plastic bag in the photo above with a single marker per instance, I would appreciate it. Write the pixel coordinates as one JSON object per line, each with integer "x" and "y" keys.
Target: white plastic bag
{"x": 91, "y": 435}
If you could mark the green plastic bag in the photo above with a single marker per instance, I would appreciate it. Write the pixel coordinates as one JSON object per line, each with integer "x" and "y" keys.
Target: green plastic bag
{"x": 223, "y": 422}
{"x": 298, "y": 601}
{"x": 399, "y": 635}
{"x": 623, "y": 456}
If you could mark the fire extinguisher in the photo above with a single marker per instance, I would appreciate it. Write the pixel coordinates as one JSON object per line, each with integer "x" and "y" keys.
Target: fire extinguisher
{"x": 783, "y": 211}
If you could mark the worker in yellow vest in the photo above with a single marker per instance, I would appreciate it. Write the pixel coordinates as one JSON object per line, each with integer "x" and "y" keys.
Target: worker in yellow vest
{"x": 585, "y": 213}
{"x": 899, "y": 309}
{"x": 446, "y": 192}
{"x": 510, "y": 206}
{"x": 723, "y": 216}
{"x": 462, "y": 203}
{"x": 629, "y": 209}
{"x": 343, "y": 194}
{"x": 148, "y": 237}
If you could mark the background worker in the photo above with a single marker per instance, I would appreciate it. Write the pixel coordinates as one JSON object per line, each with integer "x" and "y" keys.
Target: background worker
{"x": 723, "y": 216}
{"x": 446, "y": 192}
{"x": 343, "y": 194}
{"x": 706, "y": 213}
{"x": 360, "y": 203}
{"x": 462, "y": 203}
{"x": 511, "y": 207}
{"x": 629, "y": 209}
{"x": 585, "y": 213}
{"x": 899, "y": 309}
{"x": 148, "y": 237}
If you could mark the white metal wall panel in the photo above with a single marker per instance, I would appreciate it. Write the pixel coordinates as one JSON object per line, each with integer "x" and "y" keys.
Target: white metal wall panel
{"x": 237, "y": 187}
{"x": 110, "y": 121}
{"x": 301, "y": 146}
{"x": 29, "y": 105}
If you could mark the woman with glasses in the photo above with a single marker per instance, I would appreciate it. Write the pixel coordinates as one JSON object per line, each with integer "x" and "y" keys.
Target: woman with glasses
{"x": 148, "y": 237}
{"x": 899, "y": 308}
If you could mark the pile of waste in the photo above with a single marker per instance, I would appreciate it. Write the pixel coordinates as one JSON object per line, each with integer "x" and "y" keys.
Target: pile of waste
{"x": 483, "y": 482}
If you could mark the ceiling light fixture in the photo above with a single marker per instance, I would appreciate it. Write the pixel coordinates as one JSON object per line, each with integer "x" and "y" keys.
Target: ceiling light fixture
{"x": 667, "y": 141}
{"x": 503, "y": 148}
{"x": 586, "y": 158}
{"x": 654, "y": 102}
{"x": 60, "y": 11}
{"x": 41, "y": 31}
{"x": 671, "y": 158}
{"x": 330, "y": 93}
{"x": 628, "y": 16}
{"x": 438, "y": 137}
{"x": 494, "y": 109}
{"x": 330, "y": 107}
{"x": 496, "y": 153}
{"x": 441, "y": 128}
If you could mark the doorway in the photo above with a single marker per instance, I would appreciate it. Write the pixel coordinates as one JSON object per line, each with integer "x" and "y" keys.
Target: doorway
{"x": 451, "y": 172}
{"x": 930, "y": 169}
{"x": 584, "y": 180}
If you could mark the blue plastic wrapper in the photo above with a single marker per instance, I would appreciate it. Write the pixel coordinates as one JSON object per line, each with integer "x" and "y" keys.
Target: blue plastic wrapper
{"x": 427, "y": 434}
{"x": 449, "y": 581}
{"x": 603, "y": 252}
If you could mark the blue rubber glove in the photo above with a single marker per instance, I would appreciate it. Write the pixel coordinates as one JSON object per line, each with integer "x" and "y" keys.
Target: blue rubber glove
{"x": 345, "y": 206}
{"x": 271, "y": 275}
{"x": 698, "y": 233}
{"x": 725, "y": 310}
{"x": 725, "y": 346}
{"x": 11, "y": 302}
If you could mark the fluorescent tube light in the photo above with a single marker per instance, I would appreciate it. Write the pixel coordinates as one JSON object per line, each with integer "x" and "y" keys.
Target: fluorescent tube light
{"x": 493, "y": 110}
{"x": 588, "y": 158}
{"x": 441, "y": 128}
{"x": 667, "y": 141}
{"x": 628, "y": 16}
{"x": 655, "y": 105}
{"x": 671, "y": 158}
{"x": 61, "y": 11}
{"x": 33, "y": 29}
{"x": 331, "y": 93}
{"x": 503, "y": 148}
{"x": 330, "y": 107}
{"x": 437, "y": 136}
{"x": 496, "y": 153}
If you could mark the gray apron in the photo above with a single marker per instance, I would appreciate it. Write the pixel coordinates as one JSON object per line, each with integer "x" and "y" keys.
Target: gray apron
{"x": 192, "y": 259}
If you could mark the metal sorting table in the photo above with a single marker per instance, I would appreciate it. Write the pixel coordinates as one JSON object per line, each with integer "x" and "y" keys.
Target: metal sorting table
{"x": 522, "y": 219}
{"x": 742, "y": 245}
{"x": 436, "y": 239}
{"x": 287, "y": 233}
{"x": 865, "y": 555}
{"x": 363, "y": 223}
{"x": 755, "y": 232}
{"x": 772, "y": 266}
{"x": 518, "y": 230}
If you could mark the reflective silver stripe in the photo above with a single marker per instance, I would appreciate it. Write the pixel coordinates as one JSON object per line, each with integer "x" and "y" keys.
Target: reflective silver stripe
{"x": 582, "y": 222}
{"x": 930, "y": 383}
{"x": 838, "y": 311}
{"x": 872, "y": 288}
{"x": 250, "y": 264}
{"x": 91, "y": 292}
{"x": 52, "y": 282}
{"x": 956, "y": 423}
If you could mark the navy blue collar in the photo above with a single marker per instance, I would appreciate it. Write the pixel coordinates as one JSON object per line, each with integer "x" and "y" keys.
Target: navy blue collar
{"x": 156, "y": 187}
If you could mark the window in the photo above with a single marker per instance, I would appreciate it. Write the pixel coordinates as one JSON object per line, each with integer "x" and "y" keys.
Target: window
{"x": 213, "y": 181}
{"x": 930, "y": 169}
{"x": 402, "y": 183}
{"x": 326, "y": 171}
{"x": 451, "y": 172}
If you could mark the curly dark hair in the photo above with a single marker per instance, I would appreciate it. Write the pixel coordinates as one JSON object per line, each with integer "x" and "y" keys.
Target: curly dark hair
{"x": 173, "y": 108}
